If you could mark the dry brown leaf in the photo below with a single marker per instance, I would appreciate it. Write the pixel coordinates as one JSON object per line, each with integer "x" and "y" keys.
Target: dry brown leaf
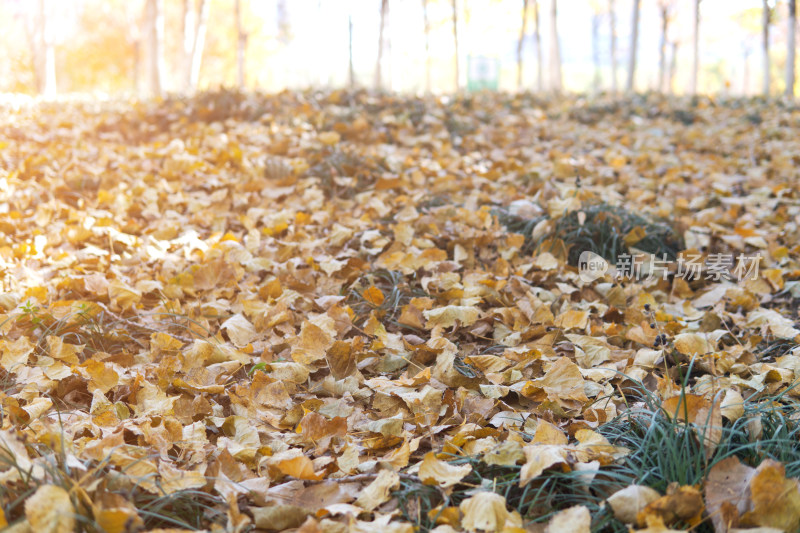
{"x": 727, "y": 493}
{"x": 684, "y": 504}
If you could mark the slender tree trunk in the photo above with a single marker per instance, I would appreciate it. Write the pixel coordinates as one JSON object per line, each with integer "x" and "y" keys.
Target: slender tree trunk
{"x": 188, "y": 24}
{"x": 427, "y": 46}
{"x": 45, "y": 52}
{"x": 746, "y": 79}
{"x": 765, "y": 49}
{"x": 613, "y": 21}
{"x": 662, "y": 49}
{"x": 455, "y": 42}
{"x": 520, "y": 42}
{"x": 555, "y": 51}
{"x": 696, "y": 47}
{"x": 137, "y": 66}
{"x": 790, "y": 48}
{"x": 629, "y": 86}
{"x": 33, "y": 32}
{"x": 538, "y": 42}
{"x": 322, "y": 62}
{"x": 596, "y": 49}
{"x": 199, "y": 43}
{"x": 673, "y": 63}
{"x": 154, "y": 21}
{"x": 351, "y": 70}
{"x": 284, "y": 27}
{"x": 241, "y": 46}
{"x": 388, "y": 53}
{"x": 379, "y": 61}
{"x": 133, "y": 38}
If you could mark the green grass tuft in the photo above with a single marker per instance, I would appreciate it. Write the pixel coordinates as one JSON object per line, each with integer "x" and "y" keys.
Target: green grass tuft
{"x": 602, "y": 231}
{"x": 397, "y": 291}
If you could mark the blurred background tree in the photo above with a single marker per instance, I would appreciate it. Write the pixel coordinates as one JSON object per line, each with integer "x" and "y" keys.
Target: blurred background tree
{"x": 155, "y": 47}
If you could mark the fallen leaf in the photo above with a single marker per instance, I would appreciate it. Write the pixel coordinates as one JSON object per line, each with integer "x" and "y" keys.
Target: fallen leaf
{"x": 486, "y": 511}
{"x": 629, "y": 502}
{"x": 433, "y": 471}
{"x": 239, "y": 330}
{"x": 571, "y": 520}
{"x": 50, "y": 509}
{"x": 379, "y": 491}
{"x": 685, "y": 504}
{"x": 451, "y": 315}
{"x": 775, "y": 499}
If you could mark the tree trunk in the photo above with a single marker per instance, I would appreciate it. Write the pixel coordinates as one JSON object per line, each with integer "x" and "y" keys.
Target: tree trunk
{"x": 765, "y": 50}
{"x": 427, "y": 46}
{"x": 241, "y": 46}
{"x": 199, "y": 43}
{"x": 351, "y": 70}
{"x": 379, "y": 61}
{"x": 696, "y": 47}
{"x": 188, "y": 24}
{"x": 44, "y": 53}
{"x": 137, "y": 66}
{"x": 154, "y": 23}
{"x": 520, "y": 42}
{"x": 555, "y": 51}
{"x": 746, "y": 78}
{"x": 282, "y": 16}
{"x": 673, "y": 63}
{"x": 629, "y": 86}
{"x": 596, "y": 48}
{"x": 455, "y": 42}
{"x": 133, "y": 38}
{"x": 662, "y": 49}
{"x": 538, "y": 42}
{"x": 613, "y": 21}
{"x": 790, "y": 50}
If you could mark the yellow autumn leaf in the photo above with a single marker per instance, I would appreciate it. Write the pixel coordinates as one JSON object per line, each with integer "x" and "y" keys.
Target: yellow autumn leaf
{"x": 635, "y": 235}
{"x": 486, "y": 511}
{"x": 373, "y": 296}
{"x": 433, "y": 471}
{"x": 572, "y": 319}
{"x": 294, "y": 463}
{"x": 329, "y": 138}
{"x": 538, "y": 458}
{"x": 379, "y": 491}
{"x": 312, "y": 344}
{"x": 239, "y": 330}
{"x": 451, "y": 315}
{"x": 628, "y": 502}
{"x": 571, "y": 520}
{"x": 692, "y": 344}
{"x": 50, "y": 509}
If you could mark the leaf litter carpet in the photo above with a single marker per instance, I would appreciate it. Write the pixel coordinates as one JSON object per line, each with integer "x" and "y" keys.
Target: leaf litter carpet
{"x": 347, "y": 311}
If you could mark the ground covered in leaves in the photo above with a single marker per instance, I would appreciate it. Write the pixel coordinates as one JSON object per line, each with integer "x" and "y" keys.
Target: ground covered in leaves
{"x": 349, "y": 311}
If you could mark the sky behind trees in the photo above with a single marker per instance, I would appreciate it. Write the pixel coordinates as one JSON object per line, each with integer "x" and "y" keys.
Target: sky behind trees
{"x": 300, "y": 43}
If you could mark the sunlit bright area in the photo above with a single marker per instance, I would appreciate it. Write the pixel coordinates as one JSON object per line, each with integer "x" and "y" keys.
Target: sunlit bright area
{"x": 147, "y": 47}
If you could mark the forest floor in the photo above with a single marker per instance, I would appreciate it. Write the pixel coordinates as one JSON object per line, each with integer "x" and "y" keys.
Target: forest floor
{"x": 348, "y": 311}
